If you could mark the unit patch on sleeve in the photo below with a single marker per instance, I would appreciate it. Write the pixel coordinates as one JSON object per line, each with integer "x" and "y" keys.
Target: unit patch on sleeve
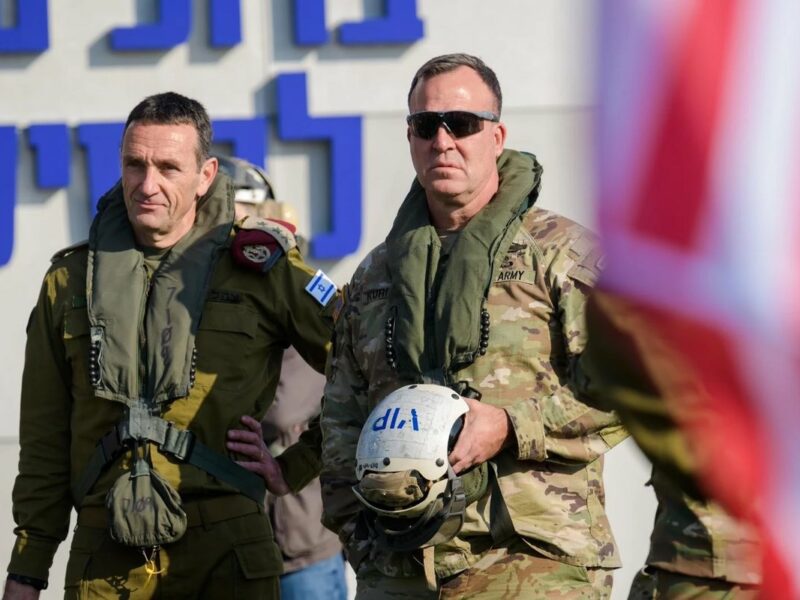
{"x": 321, "y": 288}
{"x": 259, "y": 243}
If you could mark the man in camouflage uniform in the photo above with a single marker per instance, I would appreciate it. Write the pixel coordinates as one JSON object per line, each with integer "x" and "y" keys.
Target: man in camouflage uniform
{"x": 167, "y": 309}
{"x": 477, "y": 289}
{"x": 697, "y": 550}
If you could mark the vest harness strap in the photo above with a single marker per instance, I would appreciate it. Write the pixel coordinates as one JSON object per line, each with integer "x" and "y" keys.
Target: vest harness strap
{"x": 139, "y": 425}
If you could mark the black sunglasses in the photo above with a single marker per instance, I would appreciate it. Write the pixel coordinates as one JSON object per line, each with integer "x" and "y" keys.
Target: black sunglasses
{"x": 458, "y": 123}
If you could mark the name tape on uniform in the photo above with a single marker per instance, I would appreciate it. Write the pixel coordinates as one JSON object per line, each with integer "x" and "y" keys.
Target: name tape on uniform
{"x": 321, "y": 288}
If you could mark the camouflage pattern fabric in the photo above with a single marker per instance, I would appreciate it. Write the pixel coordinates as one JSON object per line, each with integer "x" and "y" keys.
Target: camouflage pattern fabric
{"x": 657, "y": 584}
{"x": 551, "y": 479}
{"x": 499, "y": 575}
{"x": 698, "y": 538}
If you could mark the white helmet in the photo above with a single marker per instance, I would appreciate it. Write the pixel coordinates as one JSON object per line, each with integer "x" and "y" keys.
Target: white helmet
{"x": 404, "y": 476}
{"x": 251, "y": 184}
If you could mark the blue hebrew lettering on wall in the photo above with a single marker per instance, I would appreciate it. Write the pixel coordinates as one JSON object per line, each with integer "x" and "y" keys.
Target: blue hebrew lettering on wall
{"x": 102, "y": 143}
{"x": 171, "y": 29}
{"x": 30, "y": 33}
{"x": 344, "y": 136}
{"x": 224, "y": 23}
{"x": 8, "y": 190}
{"x": 247, "y": 136}
{"x": 400, "y": 25}
{"x": 309, "y": 23}
{"x": 53, "y": 154}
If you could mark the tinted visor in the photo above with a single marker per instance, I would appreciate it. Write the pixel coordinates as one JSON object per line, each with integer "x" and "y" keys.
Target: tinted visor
{"x": 458, "y": 123}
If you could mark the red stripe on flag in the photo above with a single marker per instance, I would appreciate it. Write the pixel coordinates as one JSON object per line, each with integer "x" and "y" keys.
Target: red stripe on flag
{"x": 670, "y": 203}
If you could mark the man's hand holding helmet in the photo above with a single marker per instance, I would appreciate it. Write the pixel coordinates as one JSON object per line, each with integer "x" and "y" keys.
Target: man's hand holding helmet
{"x": 487, "y": 430}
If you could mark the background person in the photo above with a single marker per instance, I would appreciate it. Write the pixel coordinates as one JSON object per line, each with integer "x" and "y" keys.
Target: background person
{"x": 313, "y": 565}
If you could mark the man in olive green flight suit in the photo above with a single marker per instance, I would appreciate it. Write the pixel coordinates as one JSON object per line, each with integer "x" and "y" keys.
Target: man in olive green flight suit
{"x": 477, "y": 289}
{"x": 697, "y": 550}
{"x": 169, "y": 320}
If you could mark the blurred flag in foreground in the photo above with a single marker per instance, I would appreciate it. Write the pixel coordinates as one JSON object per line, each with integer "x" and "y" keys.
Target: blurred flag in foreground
{"x": 698, "y": 151}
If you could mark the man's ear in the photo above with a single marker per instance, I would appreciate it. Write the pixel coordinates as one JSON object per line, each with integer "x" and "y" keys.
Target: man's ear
{"x": 208, "y": 171}
{"x": 500, "y": 133}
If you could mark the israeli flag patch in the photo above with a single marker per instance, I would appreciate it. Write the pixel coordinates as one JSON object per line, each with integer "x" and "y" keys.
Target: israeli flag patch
{"x": 321, "y": 288}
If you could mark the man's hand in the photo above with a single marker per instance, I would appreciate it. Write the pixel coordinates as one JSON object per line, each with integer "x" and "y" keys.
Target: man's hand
{"x": 486, "y": 432}
{"x": 250, "y": 443}
{"x": 19, "y": 591}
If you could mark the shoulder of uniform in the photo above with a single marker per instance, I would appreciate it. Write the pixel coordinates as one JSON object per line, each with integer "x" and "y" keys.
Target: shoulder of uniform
{"x": 69, "y": 250}
{"x": 260, "y": 242}
{"x": 372, "y": 272}
{"x": 566, "y": 246}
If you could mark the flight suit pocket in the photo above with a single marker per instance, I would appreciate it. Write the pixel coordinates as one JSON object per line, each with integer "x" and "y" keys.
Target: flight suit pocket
{"x": 224, "y": 342}
{"x": 256, "y": 562}
{"x": 257, "y": 575}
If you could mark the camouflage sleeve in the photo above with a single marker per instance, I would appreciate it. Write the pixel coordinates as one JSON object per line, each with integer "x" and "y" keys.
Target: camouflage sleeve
{"x": 343, "y": 412}
{"x": 309, "y": 324}
{"x": 561, "y": 426}
{"x": 41, "y": 496}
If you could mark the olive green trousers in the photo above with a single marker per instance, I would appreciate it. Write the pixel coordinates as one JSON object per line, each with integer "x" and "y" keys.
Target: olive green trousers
{"x": 218, "y": 557}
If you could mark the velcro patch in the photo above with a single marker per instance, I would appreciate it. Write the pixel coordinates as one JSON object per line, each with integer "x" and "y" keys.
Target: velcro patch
{"x": 587, "y": 269}
{"x": 321, "y": 288}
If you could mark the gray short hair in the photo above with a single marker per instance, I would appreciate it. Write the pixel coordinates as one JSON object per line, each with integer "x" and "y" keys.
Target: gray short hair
{"x": 450, "y": 62}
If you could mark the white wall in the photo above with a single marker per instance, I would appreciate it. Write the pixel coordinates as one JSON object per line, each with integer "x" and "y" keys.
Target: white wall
{"x": 542, "y": 51}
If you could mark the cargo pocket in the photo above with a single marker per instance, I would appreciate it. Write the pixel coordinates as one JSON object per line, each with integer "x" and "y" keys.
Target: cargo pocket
{"x": 250, "y": 570}
{"x": 260, "y": 564}
{"x": 225, "y": 335}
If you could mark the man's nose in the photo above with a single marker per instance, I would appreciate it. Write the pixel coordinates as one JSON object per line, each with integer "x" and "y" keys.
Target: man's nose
{"x": 150, "y": 182}
{"x": 443, "y": 139}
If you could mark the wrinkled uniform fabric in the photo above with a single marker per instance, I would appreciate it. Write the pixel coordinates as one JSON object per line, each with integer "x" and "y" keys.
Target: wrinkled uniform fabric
{"x": 247, "y": 320}
{"x": 551, "y": 477}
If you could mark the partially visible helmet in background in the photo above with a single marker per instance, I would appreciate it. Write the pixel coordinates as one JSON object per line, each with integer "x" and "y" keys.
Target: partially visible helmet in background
{"x": 255, "y": 194}
{"x": 405, "y": 478}
{"x": 252, "y": 184}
